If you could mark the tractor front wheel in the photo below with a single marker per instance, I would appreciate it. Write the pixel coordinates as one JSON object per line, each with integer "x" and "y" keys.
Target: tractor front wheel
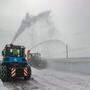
{"x": 29, "y": 74}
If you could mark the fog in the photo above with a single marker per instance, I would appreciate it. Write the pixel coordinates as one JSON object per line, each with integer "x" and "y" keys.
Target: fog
{"x": 71, "y": 19}
{"x": 39, "y": 34}
{"x": 57, "y": 34}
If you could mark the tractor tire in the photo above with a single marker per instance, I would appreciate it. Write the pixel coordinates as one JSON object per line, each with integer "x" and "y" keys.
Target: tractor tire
{"x": 29, "y": 74}
{"x": 3, "y": 73}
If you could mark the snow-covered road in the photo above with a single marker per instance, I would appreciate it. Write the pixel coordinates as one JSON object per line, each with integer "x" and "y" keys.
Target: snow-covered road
{"x": 54, "y": 80}
{"x": 51, "y": 80}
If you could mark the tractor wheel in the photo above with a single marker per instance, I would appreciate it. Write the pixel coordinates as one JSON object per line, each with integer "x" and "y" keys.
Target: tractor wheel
{"x": 3, "y": 73}
{"x": 29, "y": 74}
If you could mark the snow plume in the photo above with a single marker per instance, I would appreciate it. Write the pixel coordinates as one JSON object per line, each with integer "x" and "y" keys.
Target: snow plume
{"x": 24, "y": 24}
{"x": 41, "y": 31}
{"x": 28, "y": 22}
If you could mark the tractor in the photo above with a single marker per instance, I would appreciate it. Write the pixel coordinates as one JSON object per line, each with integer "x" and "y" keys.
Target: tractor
{"x": 14, "y": 64}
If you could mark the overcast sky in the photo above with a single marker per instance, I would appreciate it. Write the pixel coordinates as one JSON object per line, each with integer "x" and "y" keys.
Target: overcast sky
{"x": 71, "y": 17}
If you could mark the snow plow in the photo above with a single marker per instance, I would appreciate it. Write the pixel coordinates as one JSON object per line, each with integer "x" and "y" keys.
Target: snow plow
{"x": 14, "y": 63}
{"x": 37, "y": 61}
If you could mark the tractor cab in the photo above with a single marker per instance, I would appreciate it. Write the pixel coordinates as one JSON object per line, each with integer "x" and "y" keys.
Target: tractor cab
{"x": 13, "y": 53}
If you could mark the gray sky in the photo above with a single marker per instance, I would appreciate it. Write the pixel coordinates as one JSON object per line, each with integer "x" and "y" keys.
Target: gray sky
{"x": 71, "y": 17}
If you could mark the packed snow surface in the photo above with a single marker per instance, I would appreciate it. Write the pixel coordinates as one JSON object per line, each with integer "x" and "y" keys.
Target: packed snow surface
{"x": 2, "y": 87}
{"x": 50, "y": 80}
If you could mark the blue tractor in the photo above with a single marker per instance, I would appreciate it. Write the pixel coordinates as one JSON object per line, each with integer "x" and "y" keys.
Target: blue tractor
{"x": 14, "y": 64}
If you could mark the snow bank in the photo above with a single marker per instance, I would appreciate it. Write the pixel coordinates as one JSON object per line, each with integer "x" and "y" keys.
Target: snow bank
{"x": 2, "y": 87}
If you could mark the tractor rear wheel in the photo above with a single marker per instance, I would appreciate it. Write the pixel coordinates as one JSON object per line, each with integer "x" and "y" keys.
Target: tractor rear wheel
{"x": 3, "y": 73}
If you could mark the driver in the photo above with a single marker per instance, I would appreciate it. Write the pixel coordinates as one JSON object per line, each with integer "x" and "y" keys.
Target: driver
{"x": 15, "y": 52}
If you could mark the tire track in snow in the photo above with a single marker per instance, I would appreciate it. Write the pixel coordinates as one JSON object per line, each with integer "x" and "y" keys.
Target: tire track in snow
{"x": 51, "y": 85}
{"x": 66, "y": 81}
{"x": 49, "y": 80}
{"x": 24, "y": 85}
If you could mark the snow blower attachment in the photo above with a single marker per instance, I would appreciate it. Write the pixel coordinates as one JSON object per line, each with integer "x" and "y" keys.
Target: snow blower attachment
{"x": 14, "y": 63}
